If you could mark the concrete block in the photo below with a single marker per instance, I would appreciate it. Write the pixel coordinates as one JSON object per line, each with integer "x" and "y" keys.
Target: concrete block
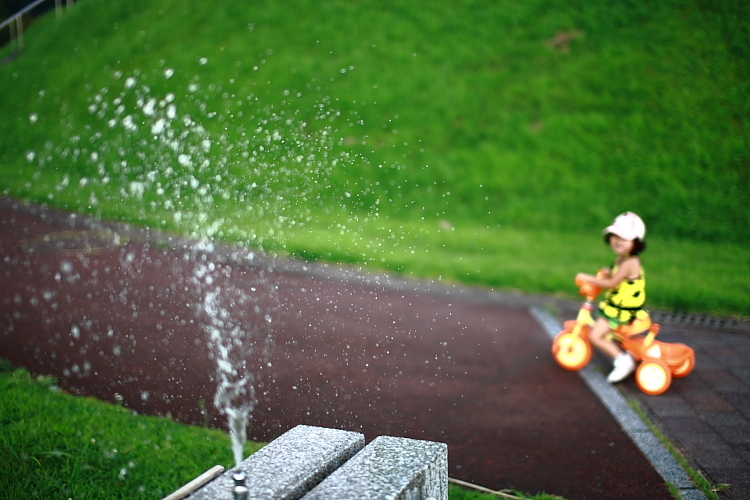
{"x": 289, "y": 466}
{"x": 390, "y": 468}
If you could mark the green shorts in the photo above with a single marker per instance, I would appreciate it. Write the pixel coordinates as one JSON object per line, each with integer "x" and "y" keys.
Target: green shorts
{"x": 616, "y": 316}
{"x": 615, "y": 323}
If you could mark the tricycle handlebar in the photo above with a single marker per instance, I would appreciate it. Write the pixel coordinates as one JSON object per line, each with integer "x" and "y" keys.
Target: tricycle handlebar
{"x": 589, "y": 290}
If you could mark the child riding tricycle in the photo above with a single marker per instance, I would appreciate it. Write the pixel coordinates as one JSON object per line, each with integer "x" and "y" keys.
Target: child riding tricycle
{"x": 624, "y": 330}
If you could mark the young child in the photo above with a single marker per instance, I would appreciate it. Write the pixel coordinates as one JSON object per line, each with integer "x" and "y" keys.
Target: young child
{"x": 626, "y": 294}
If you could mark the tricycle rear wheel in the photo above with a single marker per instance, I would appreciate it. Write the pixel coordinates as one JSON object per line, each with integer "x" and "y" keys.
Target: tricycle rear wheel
{"x": 653, "y": 377}
{"x": 685, "y": 368}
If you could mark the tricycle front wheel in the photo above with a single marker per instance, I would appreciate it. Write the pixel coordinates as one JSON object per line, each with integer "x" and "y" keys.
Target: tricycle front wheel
{"x": 571, "y": 351}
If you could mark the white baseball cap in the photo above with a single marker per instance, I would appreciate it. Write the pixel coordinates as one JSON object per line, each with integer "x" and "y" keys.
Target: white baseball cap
{"x": 627, "y": 226}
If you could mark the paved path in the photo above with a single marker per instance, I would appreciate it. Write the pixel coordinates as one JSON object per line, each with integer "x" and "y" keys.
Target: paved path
{"x": 115, "y": 311}
{"x": 707, "y": 415}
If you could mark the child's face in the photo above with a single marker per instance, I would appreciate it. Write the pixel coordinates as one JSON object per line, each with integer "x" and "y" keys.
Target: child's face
{"x": 619, "y": 245}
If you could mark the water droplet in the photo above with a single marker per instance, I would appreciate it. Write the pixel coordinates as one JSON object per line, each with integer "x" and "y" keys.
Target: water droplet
{"x": 129, "y": 124}
{"x": 137, "y": 189}
{"x": 149, "y": 108}
{"x": 185, "y": 161}
{"x": 158, "y": 127}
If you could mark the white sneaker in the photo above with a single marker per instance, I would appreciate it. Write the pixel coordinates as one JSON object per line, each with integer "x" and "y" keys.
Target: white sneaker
{"x": 624, "y": 365}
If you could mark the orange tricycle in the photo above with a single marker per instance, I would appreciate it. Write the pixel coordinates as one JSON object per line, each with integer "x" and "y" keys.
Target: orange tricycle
{"x": 659, "y": 361}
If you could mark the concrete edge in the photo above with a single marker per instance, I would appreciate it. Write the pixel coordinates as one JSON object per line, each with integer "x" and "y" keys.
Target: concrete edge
{"x": 636, "y": 429}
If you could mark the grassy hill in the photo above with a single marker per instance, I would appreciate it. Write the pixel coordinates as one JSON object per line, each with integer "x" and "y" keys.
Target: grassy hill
{"x": 486, "y": 142}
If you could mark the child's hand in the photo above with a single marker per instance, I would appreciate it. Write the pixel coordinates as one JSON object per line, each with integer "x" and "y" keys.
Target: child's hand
{"x": 582, "y": 278}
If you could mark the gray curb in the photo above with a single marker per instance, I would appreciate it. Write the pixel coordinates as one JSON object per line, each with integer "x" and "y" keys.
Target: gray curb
{"x": 660, "y": 458}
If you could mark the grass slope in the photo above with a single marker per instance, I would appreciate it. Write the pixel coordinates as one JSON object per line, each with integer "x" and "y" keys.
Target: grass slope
{"x": 270, "y": 124}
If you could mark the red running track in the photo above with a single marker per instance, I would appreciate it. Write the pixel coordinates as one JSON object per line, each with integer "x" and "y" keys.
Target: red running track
{"x": 127, "y": 317}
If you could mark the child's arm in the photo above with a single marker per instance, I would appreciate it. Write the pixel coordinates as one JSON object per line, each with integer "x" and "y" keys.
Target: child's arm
{"x": 629, "y": 268}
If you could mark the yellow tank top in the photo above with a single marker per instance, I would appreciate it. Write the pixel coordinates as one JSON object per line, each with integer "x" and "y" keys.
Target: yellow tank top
{"x": 629, "y": 294}
{"x": 624, "y": 300}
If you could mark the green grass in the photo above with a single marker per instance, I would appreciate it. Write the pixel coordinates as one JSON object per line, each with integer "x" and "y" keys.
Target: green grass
{"x": 303, "y": 112}
{"x": 55, "y": 445}
{"x": 460, "y": 493}
{"x": 534, "y": 261}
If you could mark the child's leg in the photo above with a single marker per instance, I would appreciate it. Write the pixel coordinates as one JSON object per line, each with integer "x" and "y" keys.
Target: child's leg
{"x": 623, "y": 363}
{"x": 598, "y": 338}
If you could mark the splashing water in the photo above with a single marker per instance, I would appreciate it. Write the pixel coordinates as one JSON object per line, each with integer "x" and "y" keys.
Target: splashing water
{"x": 199, "y": 157}
{"x": 241, "y": 347}
{"x": 214, "y": 162}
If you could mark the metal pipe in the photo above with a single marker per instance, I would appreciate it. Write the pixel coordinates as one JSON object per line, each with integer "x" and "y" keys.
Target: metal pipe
{"x": 20, "y": 13}
{"x": 12, "y": 36}
{"x": 240, "y": 491}
{"x": 19, "y": 32}
{"x": 196, "y": 483}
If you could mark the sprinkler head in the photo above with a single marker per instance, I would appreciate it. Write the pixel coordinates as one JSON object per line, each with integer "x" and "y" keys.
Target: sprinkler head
{"x": 239, "y": 478}
{"x": 240, "y": 491}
